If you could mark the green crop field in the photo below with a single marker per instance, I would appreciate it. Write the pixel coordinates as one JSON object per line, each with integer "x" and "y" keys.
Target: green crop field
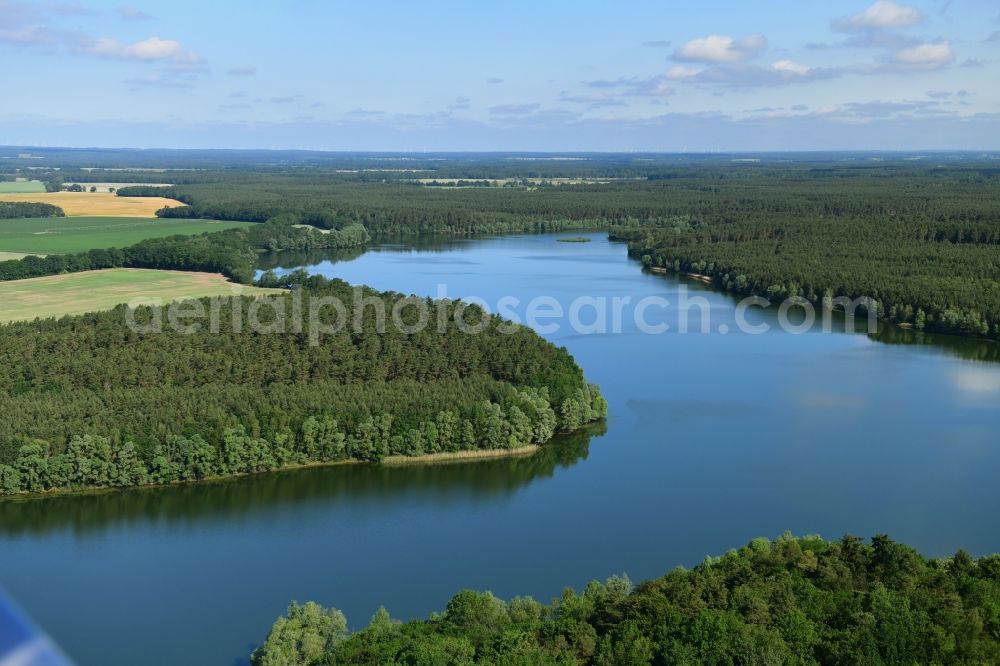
{"x": 24, "y": 186}
{"x": 65, "y": 235}
{"x": 91, "y": 291}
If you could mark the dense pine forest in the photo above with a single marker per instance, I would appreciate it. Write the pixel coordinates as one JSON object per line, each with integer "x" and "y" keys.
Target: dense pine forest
{"x": 790, "y": 601}
{"x": 922, "y": 244}
{"x": 87, "y": 401}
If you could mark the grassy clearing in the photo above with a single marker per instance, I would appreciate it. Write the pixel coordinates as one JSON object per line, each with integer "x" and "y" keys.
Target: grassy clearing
{"x": 102, "y": 204}
{"x": 64, "y": 235}
{"x": 78, "y": 293}
{"x": 30, "y": 186}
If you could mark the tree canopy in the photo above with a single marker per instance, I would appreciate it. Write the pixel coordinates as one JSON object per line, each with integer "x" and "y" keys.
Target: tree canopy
{"x": 90, "y": 401}
{"x": 789, "y": 601}
{"x": 14, "y": 209}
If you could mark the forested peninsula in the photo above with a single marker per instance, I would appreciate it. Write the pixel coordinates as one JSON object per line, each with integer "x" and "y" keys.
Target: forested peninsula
{"x": 88, "y": 402}
{"x": 920, "y": 242}
{"x": 790, "y": 601}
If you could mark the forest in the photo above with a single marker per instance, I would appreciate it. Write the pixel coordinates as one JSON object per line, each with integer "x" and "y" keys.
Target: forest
{"x": 788, "y": 601}
{"x": 918, "y": 239}
{"x": 14, "y": 209}
{"x": 89, "y": 402}
{"x": 929, "y": 263}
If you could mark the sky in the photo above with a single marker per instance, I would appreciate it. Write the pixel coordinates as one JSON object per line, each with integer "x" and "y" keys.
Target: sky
{"x": 657, "y": 76}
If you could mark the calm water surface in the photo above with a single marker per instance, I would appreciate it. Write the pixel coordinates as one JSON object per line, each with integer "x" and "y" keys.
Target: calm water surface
{"x": 711, "y": 440}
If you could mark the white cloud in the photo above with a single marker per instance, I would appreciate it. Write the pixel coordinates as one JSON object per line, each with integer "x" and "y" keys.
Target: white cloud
{"x": 791, "y": 67}
{"x": 514, "y": 109}
{"x": 593, "y": 100}
{"x": 241, "y": 71}
{"x": 133, "y": 14}
{"x": 32, "y": 35}
{"x": 153, "y": 48}
{"x": 866, "y": 111}
{"x": 884, "y": 14}
{"x": 745, "y": 76}
{"x": 654, "y": 86}
{"x": 721, "y": 49}
{"x": 926, "y": 56}
{"x": 30, "y": 26}
{"x": 157, "y": 80}
{"x": 678, "y": 72}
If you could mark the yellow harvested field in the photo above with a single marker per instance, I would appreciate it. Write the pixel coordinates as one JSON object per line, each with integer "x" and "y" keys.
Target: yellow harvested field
{"x": 97, "y": 204}
{"x": 92, "y": 291}
{"x": 8, "y": 256}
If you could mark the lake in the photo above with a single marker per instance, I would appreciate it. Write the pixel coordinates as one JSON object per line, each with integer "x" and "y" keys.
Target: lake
{"x": 712, "y": 439}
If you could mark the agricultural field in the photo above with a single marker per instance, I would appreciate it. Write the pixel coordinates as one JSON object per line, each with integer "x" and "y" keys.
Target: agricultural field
{"x": 22, "y": 186}
{"x": 13, "y": 256}
{"x": 65, "y": 235}
{"x": 103, "y": 204}
{"x": 91, "y": 291}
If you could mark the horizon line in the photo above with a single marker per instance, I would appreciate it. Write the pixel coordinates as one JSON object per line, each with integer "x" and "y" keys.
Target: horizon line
{"x": 796, "y": 151}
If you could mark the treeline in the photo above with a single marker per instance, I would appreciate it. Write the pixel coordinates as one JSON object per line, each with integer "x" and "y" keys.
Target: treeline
{"x": 791, "y": 601}
{"x": 150, "y": 191}
{"x": 95, "y": 512}
{"x": 426, "y": 222}
{"x": 938, "y": 276}
{"x": 715, "y": 194}
{"x": 232, "y": 252}
{"x": 13, "y": 209}
{"x": 90, "y": 401}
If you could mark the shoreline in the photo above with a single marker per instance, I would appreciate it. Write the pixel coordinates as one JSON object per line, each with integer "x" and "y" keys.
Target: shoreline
{"x": 448, "y": 457}
{"x": 461, "y": 456}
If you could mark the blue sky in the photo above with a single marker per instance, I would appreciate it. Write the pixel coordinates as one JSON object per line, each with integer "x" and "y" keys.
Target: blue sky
{"x": 546, "y": 76}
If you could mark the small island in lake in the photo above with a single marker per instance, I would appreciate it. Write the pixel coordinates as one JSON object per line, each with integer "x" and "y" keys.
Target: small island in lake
{"x": 573, "y": 239}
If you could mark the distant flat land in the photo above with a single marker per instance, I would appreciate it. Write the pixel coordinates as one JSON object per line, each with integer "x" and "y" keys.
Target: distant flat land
{"x": 103, "y": 204}
{"x": 78, "y": 293}
{"x": 64, "y": 235}
{"x": 454, "y": 182}
{"x": 106, "y": 187}
{"x": 22, "y": 186}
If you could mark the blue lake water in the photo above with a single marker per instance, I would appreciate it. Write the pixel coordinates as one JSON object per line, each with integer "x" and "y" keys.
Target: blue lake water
{"x": 712, "y": 439}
